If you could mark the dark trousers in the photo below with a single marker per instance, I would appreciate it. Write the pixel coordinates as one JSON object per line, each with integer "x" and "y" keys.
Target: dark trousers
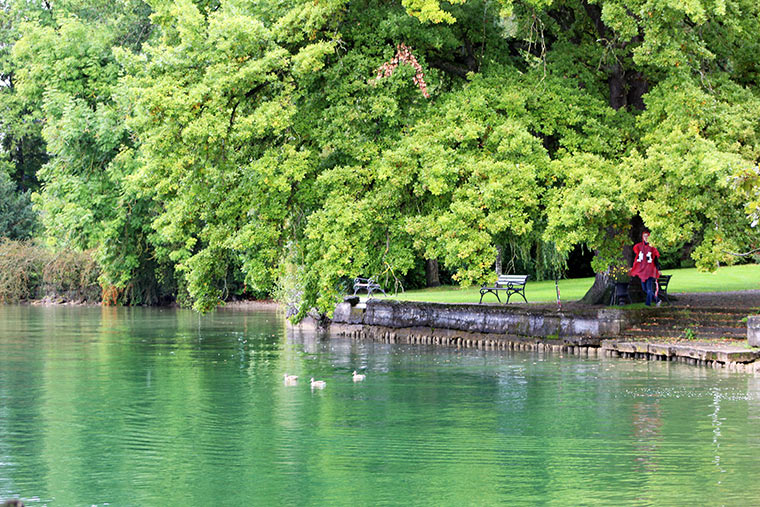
{"x": 649, "y": 286}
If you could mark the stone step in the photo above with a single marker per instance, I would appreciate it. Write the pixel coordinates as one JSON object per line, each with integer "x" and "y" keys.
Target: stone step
{"x": 659, "y": 313}
{"x": 680, "y": 324}
{"x": 692, "y": 324}
{"x": 670, "y": 324}
{"x": 679, "y": 312}
{"x": 697, "y": 332}
{"x": 698, "y": 351}
{"x": 707, "y": 322}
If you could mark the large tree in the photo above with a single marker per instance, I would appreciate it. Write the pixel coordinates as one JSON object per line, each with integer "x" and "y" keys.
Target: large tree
{"x": 66, "y": 74}
{"x": 290, "y": 146}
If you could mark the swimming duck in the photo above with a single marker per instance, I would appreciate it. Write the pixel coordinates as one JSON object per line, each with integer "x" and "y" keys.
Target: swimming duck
{"x": 317, "y": 384}
{"x": 290, "y": 379}
{"x": 358, "y": 377}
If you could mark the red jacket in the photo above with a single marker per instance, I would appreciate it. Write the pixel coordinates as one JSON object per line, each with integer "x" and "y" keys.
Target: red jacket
{"x": 643, "y": 262}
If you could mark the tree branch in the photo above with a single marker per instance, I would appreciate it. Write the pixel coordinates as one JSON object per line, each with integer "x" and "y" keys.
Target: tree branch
{"x": 746, "y": 254}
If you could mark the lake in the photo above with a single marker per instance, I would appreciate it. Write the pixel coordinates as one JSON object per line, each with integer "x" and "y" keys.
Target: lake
{"x": 134, "y": 406}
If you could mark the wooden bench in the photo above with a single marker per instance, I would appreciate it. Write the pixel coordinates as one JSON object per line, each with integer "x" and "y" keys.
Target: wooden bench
{"x": 513, "y": 284}
{"x": 662, "y": 284}
{"x": 368, "y": 284}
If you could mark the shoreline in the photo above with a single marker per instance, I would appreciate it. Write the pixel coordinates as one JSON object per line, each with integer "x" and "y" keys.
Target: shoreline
{"x": 264, "y": 304}
{"x": 717, "y": 335}
{"x": 517, "y": 325}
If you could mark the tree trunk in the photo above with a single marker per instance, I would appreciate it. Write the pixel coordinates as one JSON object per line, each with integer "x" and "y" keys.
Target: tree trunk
{"x": 598, "y": 293}
{"x": 431, "y": 273}
{"x": 618, "y": 93}
{"x": 499, "y": 253}
{"x": 627, "y": 87}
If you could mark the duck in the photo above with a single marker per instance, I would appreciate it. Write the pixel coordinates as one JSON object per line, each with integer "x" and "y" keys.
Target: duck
{"x": 317, "y": 384}
{"x": 290, "y": 379}
{"x": 358, "y": 377}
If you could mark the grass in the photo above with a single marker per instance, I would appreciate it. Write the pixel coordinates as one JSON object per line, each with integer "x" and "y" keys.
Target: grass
{"x": 729, "y": 278}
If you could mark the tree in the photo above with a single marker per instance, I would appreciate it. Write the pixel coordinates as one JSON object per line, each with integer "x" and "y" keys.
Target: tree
{"x": 70, "y": 70}
{"x": 225, "y": 147}
{"x": 22, "y": 117}
{"x": 686, "y": 66}
{"x": 220, "y": 152}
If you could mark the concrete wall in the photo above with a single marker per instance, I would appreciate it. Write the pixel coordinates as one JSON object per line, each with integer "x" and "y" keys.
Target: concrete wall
{"x": 489, "y": 319}
{"x": 589, "y": 332}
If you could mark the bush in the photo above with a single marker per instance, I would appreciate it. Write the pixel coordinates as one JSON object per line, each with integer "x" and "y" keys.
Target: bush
{"x": 30, "y": 271}
{"x": 21, "y": 266}
{"x": 72, "y": 275}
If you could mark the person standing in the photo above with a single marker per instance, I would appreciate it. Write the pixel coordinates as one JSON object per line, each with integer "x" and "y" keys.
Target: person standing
{"x": 646, "y": 266}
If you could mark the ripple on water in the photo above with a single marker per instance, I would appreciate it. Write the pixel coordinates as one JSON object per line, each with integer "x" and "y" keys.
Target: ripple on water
{"x": 168, "y": 407}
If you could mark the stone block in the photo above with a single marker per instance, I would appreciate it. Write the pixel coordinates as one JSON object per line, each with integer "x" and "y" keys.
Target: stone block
{"x": 451, "y": 317}
{"x": 410, "y": 314}
{"x": 549, "y": 325}
{"x": 611, "y": 322}
{"x": 379, "y": 314}
{"x": 753, "y": 330}
{"x": 495, "y": 322}
{"x": 342, "y": 313}
{"x": 580, "y": 326}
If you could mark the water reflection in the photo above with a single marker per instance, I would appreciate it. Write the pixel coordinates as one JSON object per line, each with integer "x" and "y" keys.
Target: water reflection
{"x": 647, "y": 423}
{"x": 156, "y": 406}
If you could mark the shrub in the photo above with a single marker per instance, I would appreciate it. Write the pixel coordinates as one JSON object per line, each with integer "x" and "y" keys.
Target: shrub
{"x": 31, "y": 271}
{"x": 72, "y": 275}
{"x": 21, "y": 266}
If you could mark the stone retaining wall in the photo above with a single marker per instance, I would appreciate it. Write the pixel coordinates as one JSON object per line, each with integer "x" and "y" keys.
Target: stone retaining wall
{"x": 588, "y": 326}
{"x": 465, "y": 339}
{"x": 593, "y": 332}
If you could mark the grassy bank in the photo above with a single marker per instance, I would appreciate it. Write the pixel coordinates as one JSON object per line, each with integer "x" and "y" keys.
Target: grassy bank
{"x": 730, "y": 278}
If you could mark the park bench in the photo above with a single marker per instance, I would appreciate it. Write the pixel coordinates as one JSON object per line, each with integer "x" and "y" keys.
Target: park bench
{"x": 662, "y": 284}
{"x": 512, "y": 284}
{"x": 368, "y": 284}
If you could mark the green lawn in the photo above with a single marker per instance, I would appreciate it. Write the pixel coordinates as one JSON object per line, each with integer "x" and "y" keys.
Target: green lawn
{"x": 729, "y": 278}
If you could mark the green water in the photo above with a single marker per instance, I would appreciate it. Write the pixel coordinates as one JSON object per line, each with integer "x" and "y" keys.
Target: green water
{"x": 105, "y": 406}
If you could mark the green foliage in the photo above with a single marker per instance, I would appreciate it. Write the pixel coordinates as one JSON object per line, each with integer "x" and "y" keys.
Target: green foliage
{"x": 22, "y": 118}
{"x": 84, "y": 202}
{"x": 218, "y": 146}
{"x": 212, "y": 149}
{"x": 747, "y": 180}
{"x": 17, "y": 218}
